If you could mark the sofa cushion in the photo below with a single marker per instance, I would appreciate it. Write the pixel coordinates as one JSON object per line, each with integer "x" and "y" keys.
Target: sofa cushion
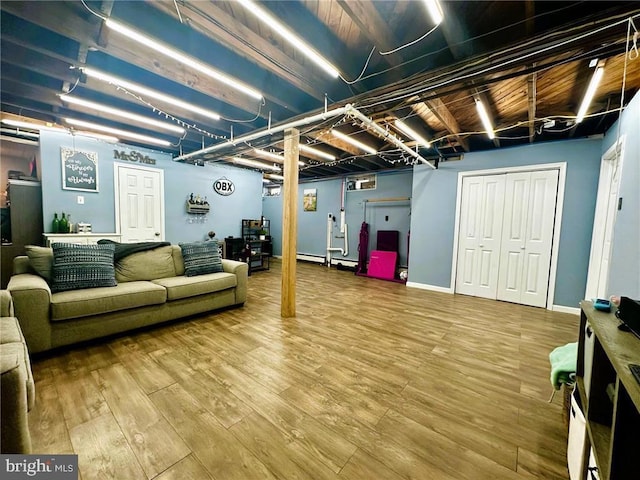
{"x": 147, "y": 265}
{"x": 201, "y": 258}
{"x": 82, "y": 266}
{"x": 185, "y": 287}
{"x": 41, "y": 260}
{"x": 178, "y": 261}
{"x": 14, "y": 352}
{"x": 96, "y": 301}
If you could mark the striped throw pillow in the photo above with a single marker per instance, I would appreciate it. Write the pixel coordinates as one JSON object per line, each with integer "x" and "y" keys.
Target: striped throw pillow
{"x": 201, "y": 258}
{"x": 82, "y": 266}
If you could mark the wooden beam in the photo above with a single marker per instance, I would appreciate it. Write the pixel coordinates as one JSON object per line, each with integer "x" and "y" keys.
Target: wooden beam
{"x": 289, "y": 223}
{"x": 440, "y": 110}
{"x": 531, "y": 98}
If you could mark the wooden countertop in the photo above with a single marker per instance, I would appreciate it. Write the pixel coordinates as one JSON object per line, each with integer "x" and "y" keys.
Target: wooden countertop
{"x": 621, "y": 347}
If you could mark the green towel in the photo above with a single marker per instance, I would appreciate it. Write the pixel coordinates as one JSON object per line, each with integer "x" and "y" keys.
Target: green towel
{"x": 563, "y": 364}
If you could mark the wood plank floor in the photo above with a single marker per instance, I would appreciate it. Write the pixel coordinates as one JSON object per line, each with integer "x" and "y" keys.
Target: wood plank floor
{"x": 371, "y": 380}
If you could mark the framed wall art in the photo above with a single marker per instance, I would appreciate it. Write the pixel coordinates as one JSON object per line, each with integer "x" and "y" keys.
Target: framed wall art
{"x": 79, "y": 170}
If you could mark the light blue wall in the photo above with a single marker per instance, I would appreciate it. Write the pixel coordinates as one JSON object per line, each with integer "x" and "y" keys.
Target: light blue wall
{"x": 312, "y": 226}
{"x": 624, "y": 274}
{"x": 434, "y": 207}
{"x": 225, "y": 217}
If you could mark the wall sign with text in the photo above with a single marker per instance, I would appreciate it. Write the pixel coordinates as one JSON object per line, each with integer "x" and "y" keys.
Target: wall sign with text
{"x": 79, "y": 170}
{"x": 224, "y": 186}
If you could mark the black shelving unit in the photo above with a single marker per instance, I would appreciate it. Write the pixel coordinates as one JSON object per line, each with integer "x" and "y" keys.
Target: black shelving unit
{"x": 256, "y": 237}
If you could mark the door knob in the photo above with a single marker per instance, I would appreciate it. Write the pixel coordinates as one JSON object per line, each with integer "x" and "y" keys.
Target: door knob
{"x": 157, "y": 234}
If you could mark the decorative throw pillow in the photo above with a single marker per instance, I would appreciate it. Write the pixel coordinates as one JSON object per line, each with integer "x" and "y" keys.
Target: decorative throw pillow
{"x": 41, "y": 260}
{"x": 82, "y": 266}
{"x": 201, "y": 258}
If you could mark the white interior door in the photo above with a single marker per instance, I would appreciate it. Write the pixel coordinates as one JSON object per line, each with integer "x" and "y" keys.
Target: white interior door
{"x": 603, "y": 223}
{"x": 479, "y": 235}
{"x": 527, "y": 236}
{"x": 140, "y": 198}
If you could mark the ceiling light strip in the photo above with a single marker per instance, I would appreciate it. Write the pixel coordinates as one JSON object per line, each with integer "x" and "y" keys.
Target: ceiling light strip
{"x": 589, "y": 94}
{"x": 40, "y": 127}
{"x": 122, "y": 113}
{"x": 134, "y": 87}
{"x": 183, "y": 58}
{"x": 315, "y": 151}
{"x": 484, "y": 116}
{"x": 406, "y": 129}
{"x": 435, "y": 11}
{"x": 269, "y": 155}
{"x": 353, "y": 141}
{"x": 117, "y": 131}
{"x": 254, "y": 163}
{"x": 273, "y": 156}
{"x": 295, "y": 41}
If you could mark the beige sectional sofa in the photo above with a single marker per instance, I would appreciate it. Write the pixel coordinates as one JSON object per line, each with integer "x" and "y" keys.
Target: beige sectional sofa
{"x": 151, "y": 288}
{"x": 17, "y": 386}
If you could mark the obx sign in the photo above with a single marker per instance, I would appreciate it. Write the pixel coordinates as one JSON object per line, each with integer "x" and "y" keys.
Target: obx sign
{"x": 224, "y": 186}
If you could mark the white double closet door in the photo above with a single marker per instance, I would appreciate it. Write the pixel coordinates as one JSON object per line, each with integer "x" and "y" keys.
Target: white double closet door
{"x": 505, "y": 236}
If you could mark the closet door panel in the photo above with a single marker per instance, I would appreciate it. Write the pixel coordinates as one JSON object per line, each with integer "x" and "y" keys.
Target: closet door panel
{"x": 539, "y": 236}
{"x": 514, "y": 231}
{"x": 480, "y": 235}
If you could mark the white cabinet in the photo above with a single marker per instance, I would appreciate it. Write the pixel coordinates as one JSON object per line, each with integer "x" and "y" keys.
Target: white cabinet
{"x": 79, "y": 238}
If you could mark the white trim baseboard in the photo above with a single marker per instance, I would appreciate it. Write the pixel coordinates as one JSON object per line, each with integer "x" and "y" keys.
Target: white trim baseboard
{"x": 433, "y": 288}
{"x": 564, "y": 309}
{"x": 311, "y": 258}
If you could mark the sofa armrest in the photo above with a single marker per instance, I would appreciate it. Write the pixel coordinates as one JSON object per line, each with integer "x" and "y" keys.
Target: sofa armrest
{"x": 31, "y": 297}
{"x": 6, "y": 304}
{"x": 241, "y": 271}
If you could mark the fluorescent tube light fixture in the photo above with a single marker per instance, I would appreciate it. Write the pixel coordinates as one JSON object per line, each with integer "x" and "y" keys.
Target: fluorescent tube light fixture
{"x": 142, "y": 90}
{"x": 275, "y": 176}
{"x": 253, "y": 163}
{"x": 122, "y": 113}
{"x": 353, "y": 142}
{"x": 117, "y": 131}
{"x": 316, "y": 152}
{"x": 406, "y": 129}
{"x": 485, "y": 119}
{"x": 591, "y": 91}
{"x": 269, "y": 155}
{"x": 183, "y": 58}
{"x": 435, "y": 11}
{"x": 39, "y": 127}
{"x": 295, "y": 41}
{"x": 273, "y": 156}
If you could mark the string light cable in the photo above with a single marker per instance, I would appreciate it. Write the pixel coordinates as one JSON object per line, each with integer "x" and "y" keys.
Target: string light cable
{"x": 413, "y": 42}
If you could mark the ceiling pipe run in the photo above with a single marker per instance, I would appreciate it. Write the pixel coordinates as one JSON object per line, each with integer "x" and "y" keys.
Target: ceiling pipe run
{"x": 264, "y": 132}
{"x": 348, "y": 110}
